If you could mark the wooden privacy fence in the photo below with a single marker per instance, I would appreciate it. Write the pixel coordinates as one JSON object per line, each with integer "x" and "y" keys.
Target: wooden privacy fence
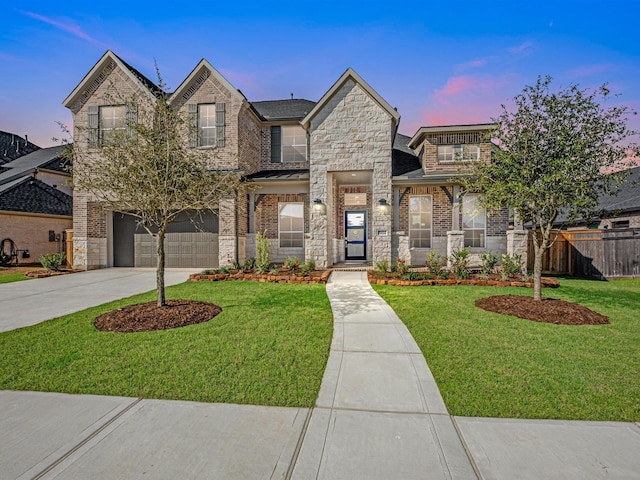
{"x": 592, "y": 253}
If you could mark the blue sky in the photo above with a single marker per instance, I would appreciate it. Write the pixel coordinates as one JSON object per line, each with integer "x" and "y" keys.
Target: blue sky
{"x": 437, "y": 62}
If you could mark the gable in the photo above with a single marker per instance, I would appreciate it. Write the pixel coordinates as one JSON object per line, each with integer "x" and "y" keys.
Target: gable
{"x": 348, "y": 80}
{"x": 205, "y": 77}
{"x": 108, "y": 65}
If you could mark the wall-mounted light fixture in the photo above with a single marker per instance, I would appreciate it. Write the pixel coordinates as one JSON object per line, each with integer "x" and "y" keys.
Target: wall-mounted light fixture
{"x": 318, "y": 206}
{"x": 383, "y": 206}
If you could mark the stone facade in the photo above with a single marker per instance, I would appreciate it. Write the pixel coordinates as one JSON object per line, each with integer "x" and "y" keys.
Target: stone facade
{"x": 351, "y": 132}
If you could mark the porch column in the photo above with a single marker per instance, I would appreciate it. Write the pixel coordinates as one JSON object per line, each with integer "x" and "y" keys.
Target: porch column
{"x": 227, "y": 237}
{"x": 455, "y": 208}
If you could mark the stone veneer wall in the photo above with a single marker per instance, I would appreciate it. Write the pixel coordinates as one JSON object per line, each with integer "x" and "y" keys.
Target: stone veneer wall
{"x": 351, "y": 132}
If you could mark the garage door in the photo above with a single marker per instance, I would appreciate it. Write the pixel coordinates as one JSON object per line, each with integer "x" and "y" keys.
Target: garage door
{"x": 187, "y": 243}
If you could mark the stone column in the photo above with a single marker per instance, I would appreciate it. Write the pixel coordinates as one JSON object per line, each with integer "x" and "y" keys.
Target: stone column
{"x": 517, "y": 244}
{"x": 455, "y": 241}
{"x": 227, "y": 238}
{"x": 316, "y": 245}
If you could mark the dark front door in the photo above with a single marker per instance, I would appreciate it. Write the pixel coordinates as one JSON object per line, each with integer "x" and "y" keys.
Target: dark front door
{"x": 355, "y": 226}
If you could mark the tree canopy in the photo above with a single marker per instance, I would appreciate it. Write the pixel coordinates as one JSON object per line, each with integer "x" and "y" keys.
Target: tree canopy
{"x": 556, "y": 151}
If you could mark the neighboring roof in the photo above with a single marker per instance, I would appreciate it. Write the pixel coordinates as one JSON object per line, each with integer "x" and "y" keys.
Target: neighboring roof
{"x": 403, "y": 159}
{"x": 279, "y": 175}
{"x": 476, "y": 127}
{"x": 13, "y": 146}
{"x": 45, "y": 158}
{"x": 97, "y": 70}
{"x": 290, "y": 109}
{"x": 626, "y": 200}
{"x": 30, "y": 195}
{"x": 350, "y": 74}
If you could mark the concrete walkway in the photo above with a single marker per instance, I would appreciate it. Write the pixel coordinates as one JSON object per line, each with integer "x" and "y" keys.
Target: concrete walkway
{"x": 379, "y": 415}
{"x": 33, "y": 301}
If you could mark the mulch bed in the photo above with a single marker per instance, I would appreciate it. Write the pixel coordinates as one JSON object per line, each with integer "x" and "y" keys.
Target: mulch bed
{"x": 548, "y": 310}
{"x": 43, "y": 273}
{"x": 283, "y": 276}
{"x": 144, "y": 317}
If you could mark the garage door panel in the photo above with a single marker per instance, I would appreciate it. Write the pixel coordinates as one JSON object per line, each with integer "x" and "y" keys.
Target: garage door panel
{"x": 187, "y": 249}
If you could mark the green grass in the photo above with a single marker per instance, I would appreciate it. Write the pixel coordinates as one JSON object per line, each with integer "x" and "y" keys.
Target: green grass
{"x": 269, "y": 346}
{"x": 13, "y": 277}
{"x": 493, "y": 365}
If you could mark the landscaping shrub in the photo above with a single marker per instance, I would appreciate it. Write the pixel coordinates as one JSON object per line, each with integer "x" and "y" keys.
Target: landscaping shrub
{"x": 263, "y": 249}
{"x": 311, "y": 264}
{"x": 489, "y": 262}
{"x": 512, "y": 265}
{"x": 460, "y": 263}
{"x": 292, "y": 263}
{"x": 53, "y": 261}
{"x": 382, "y": 267}
{"x": 402, "y": 267}
{"x": 248, "y": 264}
{"x": 436, "y": 265}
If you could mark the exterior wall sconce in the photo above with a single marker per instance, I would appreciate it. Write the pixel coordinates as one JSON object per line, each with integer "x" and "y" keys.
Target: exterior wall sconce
{"x": 383, "y": 205}
{"x": 318, "y": 206}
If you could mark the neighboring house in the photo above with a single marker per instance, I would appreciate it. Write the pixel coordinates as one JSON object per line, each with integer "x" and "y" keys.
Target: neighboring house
{"x": 12, "y": 146}
{"x": 334, "y": 181}
{"x": 35, "y": 200}
{"x": 621, "y": 210}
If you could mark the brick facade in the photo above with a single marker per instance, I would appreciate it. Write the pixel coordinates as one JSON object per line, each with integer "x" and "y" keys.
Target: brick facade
{"x": 351, "y": 130}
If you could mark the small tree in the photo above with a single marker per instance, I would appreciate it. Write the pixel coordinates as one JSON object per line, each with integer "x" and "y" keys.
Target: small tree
{"x": 555, "y": 152}
{"x": 148, "y": 171}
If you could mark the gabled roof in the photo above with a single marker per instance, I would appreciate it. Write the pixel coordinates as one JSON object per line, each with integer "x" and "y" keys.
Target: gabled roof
{"x": 143, "y": 82}
{"x": 350, "y": 74}
{"x": 31, "y": 195}
{"x": 476, "y": 127}
{"x": 204, "y": 64}
{"x": 46, "y": 159}
{"x": 290, "y": 109}
{"x": 13, "y": 146}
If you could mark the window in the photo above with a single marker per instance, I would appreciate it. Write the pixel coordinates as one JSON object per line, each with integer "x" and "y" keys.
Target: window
{"x": 420, "y": 221}
{"x": 458, "y": 153}
{"x": 112, "y": 123}
{"x": 207, "y": 124}
{"x": 288, "y": 144}
{"x": 474, "y": 220}
{"x": 291, "y": 224}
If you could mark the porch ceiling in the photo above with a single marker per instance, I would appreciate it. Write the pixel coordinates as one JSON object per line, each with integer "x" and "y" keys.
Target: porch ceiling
{"x": 359, "y": 177}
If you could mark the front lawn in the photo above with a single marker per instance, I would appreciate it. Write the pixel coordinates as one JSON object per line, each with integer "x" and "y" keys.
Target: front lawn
{"x": 492, "y": 365}
{"x": 12, "y": 277}
{"x": 269, "y": 346}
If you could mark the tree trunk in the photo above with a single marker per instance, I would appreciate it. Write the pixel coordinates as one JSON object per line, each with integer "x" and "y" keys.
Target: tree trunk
{"x": 160, "y": 269}
{"x": 537, "y": 272}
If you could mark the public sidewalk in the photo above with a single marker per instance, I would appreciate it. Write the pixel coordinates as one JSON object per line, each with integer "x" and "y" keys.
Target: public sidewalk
{"x": 379, "y": 415}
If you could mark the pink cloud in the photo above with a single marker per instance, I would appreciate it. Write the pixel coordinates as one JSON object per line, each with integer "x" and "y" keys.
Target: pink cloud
{"x": 66, "y": 27}
{"x": 524, "y": 47}
{"x": 588, "y": 70}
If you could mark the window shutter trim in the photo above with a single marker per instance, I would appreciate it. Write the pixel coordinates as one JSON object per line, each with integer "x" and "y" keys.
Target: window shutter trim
{"x": 276, "y": 144}
{"x": 220, "y": 124}
{"x": 93, "y": 120}
{"x": 192, "y": 114}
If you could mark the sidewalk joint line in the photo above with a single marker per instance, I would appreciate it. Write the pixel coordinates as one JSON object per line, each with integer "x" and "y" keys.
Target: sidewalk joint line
{"x": 296, "y": 451}
{"x": 466, "y": 448}
{"x": 86, "y": 440}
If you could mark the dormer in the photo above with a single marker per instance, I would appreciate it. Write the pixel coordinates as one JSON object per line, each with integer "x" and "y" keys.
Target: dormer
{"x": 450, "y": 147}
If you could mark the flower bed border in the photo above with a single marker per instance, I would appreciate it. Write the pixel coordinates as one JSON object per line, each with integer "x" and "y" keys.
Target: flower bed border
{"x": 261, "y": 277}
{"x": 373, "y": 279}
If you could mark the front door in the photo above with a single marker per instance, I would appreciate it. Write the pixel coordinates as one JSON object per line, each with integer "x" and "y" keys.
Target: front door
{"x": 355, "y": 225}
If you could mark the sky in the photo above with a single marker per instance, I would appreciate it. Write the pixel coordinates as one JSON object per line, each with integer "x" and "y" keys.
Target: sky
{"x": 437, "y": 62}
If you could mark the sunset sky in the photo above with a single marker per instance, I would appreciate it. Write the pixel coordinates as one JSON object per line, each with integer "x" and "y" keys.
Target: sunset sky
{"x": 437, "y": 62}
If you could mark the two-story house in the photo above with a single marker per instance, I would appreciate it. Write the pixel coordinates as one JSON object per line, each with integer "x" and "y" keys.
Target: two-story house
{"x": 333, "y": 180}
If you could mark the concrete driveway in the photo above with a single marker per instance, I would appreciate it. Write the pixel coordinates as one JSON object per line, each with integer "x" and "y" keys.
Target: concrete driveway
{"x": 34, "y": 301}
